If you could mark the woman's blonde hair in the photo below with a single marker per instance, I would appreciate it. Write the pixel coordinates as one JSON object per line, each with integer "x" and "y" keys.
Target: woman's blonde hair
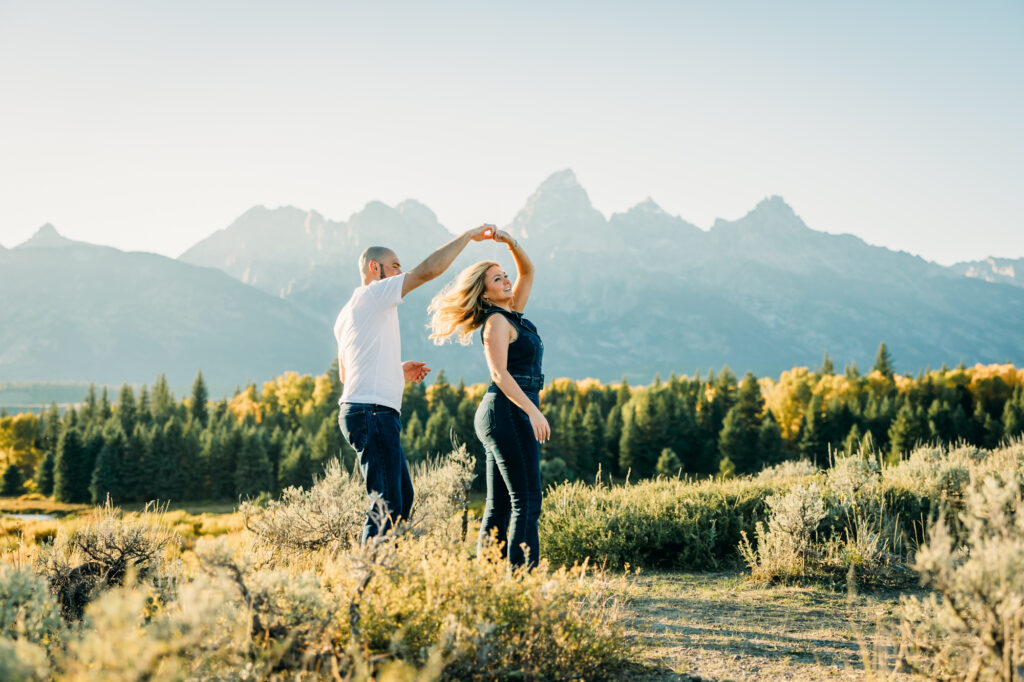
{"x": 458, "y": 309}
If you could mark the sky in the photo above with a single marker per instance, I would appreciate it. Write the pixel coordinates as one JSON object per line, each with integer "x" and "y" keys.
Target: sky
{"x": 148, "y": 126}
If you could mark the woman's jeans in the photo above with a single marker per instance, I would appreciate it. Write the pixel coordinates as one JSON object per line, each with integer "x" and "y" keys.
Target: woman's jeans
{"x": 513, "y": 476}
{"x": 374, "y": 432}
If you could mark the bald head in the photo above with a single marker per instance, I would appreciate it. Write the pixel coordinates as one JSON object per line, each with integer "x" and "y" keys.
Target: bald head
{"x": 378, "y": 262}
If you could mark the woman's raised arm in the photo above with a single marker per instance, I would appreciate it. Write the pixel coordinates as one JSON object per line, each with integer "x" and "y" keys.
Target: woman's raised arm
{"x": 524, "y": 270}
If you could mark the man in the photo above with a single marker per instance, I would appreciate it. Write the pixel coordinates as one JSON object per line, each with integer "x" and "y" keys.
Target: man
{"x": 373, "y": 374}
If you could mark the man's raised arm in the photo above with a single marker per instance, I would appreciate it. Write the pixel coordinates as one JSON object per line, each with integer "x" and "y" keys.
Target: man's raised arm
{"x": 439, "y": 261}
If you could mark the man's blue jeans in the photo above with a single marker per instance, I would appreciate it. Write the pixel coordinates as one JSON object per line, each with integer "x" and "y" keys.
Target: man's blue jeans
{"x": 374, "y": 432}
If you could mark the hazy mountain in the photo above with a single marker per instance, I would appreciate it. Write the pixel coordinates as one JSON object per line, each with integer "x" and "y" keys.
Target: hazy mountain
{"x": 1005, "y": 270}
{"x": 645, "y": 291}
{"x": 280, "y": 250}
{"x": 637, "y": 293}
{"x": 79, "y": 312}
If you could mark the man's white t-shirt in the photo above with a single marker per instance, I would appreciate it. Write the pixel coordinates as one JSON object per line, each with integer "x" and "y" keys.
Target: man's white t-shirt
{"x": 369, "y": 344}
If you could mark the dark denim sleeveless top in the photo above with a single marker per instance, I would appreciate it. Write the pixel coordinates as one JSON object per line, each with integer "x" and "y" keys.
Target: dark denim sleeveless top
{"x": 524, "y": 354}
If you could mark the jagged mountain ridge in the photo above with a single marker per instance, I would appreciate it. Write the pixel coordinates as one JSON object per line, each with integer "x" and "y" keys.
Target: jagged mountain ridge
{"x": 644, "y": 291}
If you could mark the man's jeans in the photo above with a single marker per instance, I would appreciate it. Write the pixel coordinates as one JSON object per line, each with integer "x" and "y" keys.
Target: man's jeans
{"x": 374, "y": 433}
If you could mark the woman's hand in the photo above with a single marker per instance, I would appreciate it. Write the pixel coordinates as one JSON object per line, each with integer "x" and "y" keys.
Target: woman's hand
{"x": 505, "y": 238}
{"x": 539, "y": 422}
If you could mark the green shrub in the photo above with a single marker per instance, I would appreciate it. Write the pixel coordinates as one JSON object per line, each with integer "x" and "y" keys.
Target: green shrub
{"x": 668, "y": 523}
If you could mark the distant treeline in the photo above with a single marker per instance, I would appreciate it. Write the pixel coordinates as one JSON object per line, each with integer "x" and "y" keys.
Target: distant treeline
{"x": 151, "y": 446}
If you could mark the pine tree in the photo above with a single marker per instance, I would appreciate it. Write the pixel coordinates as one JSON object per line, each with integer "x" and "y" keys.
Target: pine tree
{"x": 592, "y": 443}
{"x": 437, "y": 432}
{"x": 669, "y": 464}
{"x": 465, "y": 431}
{"x": 144, "y": 412}
{"x": 228, "y": 451}
{"x": 883, "y": 361}
{"x": 68, "y": 468}
{"x": 738, "y": 440}
{"x": 193, "y": 472}
{"x": 163, "y": 400}
{"x": 813, "y": 443}
{"x": 197, "y": 407}
{"x": 50, "y": 431}
{"x": 412, "y": 436}
{"x": 136, "y": 472}
{"x": 442, "y": 393}
{"x": 1013, "y": 415}
{"x": 414, "y": 401}
{"x": 827, "y": 366}
{"x": 13, "y": 483}
{"x": 162, "y": 462}
{"x": 769, "y": 440}
{"x": 89, "y": 407}
{"x": 572, "y": 443}
{"x": 644, "y": 424}
{"x": 612, "y": 438}
{"x": 683, "y": 433}
{"x": 44, "y": 473}
{"x": 104, "y": 410}
{"x": 961, "y": 425}
{"x": 940, "y": 421}
{"x": 106, "y": 475}
{"x": 297, "y": 469}
{"x": 126, "y": 409}
{"x": 252, "y": 471}
{"x": 276, "y": 450}
{"x": 908, "y": 430}
{"x": 326, "y": 444}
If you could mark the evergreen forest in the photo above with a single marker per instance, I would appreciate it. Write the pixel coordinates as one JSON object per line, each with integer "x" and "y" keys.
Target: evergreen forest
{"x": 147, "y": 444}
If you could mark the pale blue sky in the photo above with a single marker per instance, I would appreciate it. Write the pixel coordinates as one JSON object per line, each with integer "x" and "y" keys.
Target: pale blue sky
{"x": 150, "y": 125}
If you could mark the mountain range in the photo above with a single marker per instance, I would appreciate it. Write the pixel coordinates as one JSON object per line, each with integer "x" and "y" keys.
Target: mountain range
{"x": 634, "y": 294}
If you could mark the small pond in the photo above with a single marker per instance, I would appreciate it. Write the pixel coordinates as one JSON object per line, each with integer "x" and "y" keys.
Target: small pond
{"x": 31, "y": 517}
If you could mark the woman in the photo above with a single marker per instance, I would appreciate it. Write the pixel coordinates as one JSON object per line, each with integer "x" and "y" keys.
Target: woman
{"x": 508, "y": 421}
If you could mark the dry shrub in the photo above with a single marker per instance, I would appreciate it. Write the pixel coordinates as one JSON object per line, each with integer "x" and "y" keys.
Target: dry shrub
{"x": 28, "y": 612}
{"x": 330, "y": 515}
{"x": 199, "y": 635}
{"x": 972, "y": 626}
{"x": 22, "y": 661}
{"x": 791, "y": 469}
{"x": 784, "y": 548}
{"x": 102, "y": 551}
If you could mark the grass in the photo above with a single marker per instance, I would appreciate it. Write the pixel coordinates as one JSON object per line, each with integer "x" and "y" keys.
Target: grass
{"x": 716, "y": 626}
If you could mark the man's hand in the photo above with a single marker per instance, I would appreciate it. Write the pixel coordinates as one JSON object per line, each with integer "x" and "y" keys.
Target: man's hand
{"x": 479, "y": 234}
{"x": 415, "y": 371}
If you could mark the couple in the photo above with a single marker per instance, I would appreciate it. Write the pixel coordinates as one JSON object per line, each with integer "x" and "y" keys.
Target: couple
{"x": 508, "y": 421}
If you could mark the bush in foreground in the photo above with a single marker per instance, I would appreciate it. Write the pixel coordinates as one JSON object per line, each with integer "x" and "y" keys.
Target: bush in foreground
{"x": 410, "y": 605}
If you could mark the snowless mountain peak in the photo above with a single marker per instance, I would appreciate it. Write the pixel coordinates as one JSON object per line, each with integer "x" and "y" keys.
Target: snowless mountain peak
{"x": 46, "y": 237}
{"x": 649, "y": 207}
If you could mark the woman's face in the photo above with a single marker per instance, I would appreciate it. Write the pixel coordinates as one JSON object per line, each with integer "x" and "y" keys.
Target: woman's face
{"x": 497, "y": 286}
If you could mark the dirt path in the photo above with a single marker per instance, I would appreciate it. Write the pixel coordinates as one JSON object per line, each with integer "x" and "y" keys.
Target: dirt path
{"x": 717, "y": 627}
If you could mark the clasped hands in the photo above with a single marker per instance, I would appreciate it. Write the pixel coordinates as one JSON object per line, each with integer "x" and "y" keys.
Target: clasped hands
{"x": 488, "y": 231}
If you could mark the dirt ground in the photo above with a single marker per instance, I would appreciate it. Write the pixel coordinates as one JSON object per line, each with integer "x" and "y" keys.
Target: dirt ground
{"x": 719, "y": 627}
